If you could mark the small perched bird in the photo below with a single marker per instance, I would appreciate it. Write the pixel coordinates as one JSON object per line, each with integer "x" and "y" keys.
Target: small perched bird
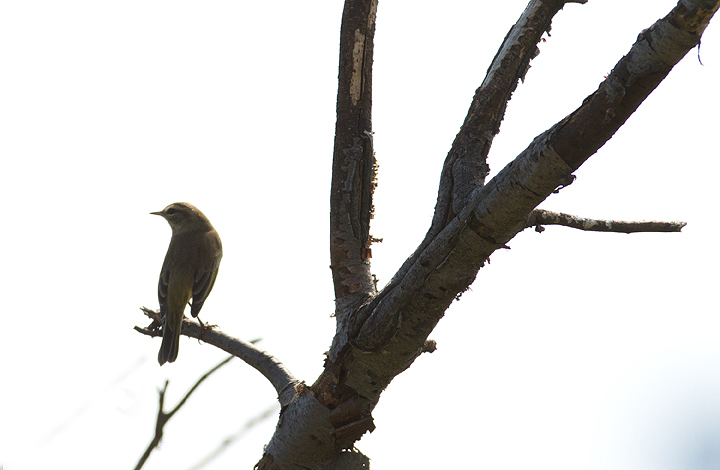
{"x": 190, "y": 268}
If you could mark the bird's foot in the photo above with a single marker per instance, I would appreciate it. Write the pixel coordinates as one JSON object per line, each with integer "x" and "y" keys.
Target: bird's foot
{"x": 204, "y": 326}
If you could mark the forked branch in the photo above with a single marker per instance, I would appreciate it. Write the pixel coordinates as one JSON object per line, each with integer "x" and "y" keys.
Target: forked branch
{"x": 465, "y": 167}
{"x": 163, "y": 417}
{"x": 388, "y": 332}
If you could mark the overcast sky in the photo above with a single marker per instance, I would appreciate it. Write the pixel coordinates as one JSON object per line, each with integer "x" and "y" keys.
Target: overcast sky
{"x": 572, "y": 350}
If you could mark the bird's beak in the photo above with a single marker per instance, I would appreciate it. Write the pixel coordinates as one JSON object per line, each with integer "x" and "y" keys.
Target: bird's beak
{"x": 158, "y": 213}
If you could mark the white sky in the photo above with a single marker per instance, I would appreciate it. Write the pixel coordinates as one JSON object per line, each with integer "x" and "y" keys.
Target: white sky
{"x": 572, "y": 351}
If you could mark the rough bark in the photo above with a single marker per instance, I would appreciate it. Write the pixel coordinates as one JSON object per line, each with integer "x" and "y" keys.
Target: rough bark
{"x": 353, "y": 159}
{"x": 379, "y": 334}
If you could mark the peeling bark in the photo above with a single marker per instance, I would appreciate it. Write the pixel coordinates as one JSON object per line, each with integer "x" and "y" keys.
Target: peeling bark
{"x": 353, "y": 158}
{"x": 380, "y": 334}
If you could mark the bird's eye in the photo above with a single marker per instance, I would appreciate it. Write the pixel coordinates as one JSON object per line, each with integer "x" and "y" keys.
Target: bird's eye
{"x": 170, "y": 211}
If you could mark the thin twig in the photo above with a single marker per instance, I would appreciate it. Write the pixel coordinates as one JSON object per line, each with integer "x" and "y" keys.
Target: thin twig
{"x": 540, "y": 217}
{"x": 163, "y": 417}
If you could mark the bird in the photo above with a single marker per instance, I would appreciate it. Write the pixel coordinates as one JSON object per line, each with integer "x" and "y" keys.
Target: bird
{"x": 189, "y": 271}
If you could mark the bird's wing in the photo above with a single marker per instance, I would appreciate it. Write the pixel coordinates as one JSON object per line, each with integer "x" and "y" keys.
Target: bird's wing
{"x": 163, "y": 290}
{"x": 204, "y": 283}
{"x": 205, "y": 279}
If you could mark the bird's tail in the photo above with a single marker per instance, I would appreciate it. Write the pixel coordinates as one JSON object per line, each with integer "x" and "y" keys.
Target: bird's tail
{"x": 169, "y": 348}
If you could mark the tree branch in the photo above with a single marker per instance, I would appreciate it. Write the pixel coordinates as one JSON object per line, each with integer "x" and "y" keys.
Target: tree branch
{"x": 163, "y": 418}
{"x": 400, "y": 318}
{"x": 465, "y": 167}
{"x": 387, "y": 333}
{"x": 273, "y": 370}
{"x": 467, "y": 159}
{"x": 353, "y": 170}
{"x": 635, "y": 76}
{"x": 540, "y": 217}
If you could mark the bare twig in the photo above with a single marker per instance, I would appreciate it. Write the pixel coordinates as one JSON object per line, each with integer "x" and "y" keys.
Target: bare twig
{"x": 163, "y": 417}
{"x": 273, "y": 370}
{"x": 540, "y": 217}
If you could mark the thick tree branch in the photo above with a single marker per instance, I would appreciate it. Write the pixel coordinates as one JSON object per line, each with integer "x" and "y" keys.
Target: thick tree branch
{"x": 497, "y": 211}
{"x": 540, "y": 217}
{"x": 387, "y": 333}
{"x": 273, "y": 370}
{"x": 466, "y": 162}
{"x": 651, "y": 58}
{"x": 353, "y": 170}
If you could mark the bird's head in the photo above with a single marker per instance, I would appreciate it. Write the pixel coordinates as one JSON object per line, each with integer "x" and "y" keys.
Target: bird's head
{"x": 183, "y": 217}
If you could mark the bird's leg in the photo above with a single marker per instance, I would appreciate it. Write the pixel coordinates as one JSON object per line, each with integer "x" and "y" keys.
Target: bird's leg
{"x": 204, "y": 326}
